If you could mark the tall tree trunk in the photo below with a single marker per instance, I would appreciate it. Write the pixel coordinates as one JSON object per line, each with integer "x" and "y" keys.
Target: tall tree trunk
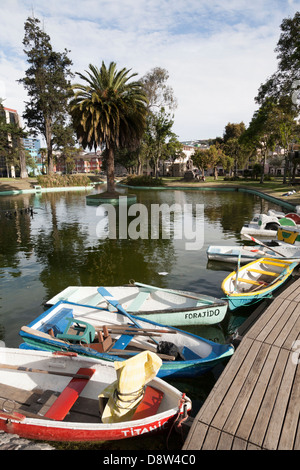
{"x": 110, "y": 170}
{"x": 48, "y": 137}
{"x": 139, "y": 165}
{"x": 23, "y": 169}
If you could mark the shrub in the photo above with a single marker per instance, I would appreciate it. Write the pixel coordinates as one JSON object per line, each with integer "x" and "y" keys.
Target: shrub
{"x": 59, "y": 181}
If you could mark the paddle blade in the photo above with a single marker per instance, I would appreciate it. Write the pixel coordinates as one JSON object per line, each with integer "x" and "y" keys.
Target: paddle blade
{"x": 113, "y": 301}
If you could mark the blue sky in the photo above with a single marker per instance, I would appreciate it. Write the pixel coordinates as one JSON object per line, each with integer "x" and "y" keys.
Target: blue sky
{"x": 217, "y": 52}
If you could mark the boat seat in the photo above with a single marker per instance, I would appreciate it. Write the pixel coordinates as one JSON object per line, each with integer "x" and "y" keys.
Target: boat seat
{"x": 138, "y": 301}
{"x": 58, "y": 322}
{"x": 95, "y": 300}
{"x": 82, "y": 331}
{"x": 282, "y": 264}
{"x": 248, "y": 281}
{"x": 64, "y": 402}
{"x": 260, "y": 271}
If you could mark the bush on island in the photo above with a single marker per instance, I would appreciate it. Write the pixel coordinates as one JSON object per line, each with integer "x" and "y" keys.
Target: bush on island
{"x": 59, "y": 181}
{"x": 143, "y": 180}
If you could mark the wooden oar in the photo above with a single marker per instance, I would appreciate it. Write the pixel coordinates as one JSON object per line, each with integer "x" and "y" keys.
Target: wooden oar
{"x": 282, "y": 255}
{"x": 41, "y": 371}
{"x": 135, "y": 330}
{"x": 237, "y": 271}
{"x": 110, "y": 299}
{"x": 263, "y": 244}
{"x": 182, "y": 294}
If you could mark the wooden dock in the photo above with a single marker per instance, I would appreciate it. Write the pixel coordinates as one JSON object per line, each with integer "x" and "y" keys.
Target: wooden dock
{"x": 255, "y": 403}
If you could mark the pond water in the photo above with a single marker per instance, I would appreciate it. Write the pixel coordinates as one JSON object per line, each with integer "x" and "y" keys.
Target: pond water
{"x": 68, "y": 242}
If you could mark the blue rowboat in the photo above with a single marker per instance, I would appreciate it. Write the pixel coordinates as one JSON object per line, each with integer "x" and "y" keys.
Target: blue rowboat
{"x": 112, "y": 336}
{"x": 256, "y": 280}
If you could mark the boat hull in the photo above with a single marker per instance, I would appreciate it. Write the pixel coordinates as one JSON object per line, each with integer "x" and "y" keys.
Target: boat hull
{"x": 202, "y": 354}
{"x": 253, "y": 230}
{"x": 251, "y": 287}
{"x": 204, "y": 311}
{"x": 232, "y": 254}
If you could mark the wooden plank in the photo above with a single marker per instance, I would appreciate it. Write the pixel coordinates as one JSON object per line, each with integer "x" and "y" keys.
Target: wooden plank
{"x": 297, "y": 438}
{"x": 133, "y": 330}
{"x": 225, "y": 441}
{"x": 69, "y": 395}
{"x": 248, "y": 419}
{"x": 211, "y": 439}
{"x": 278, "y": 414}
{"x": 290, "y": 329}
{"x": 255, "y": 403}
{"x": 239, "y": 444}
{"x": 250, "y": 321}
{"x": 27, "y": 402}
{"x": 277, "y": 324}
{"x": 267, "y": 316}
{"x": 292, "y": 337}
{"x": 268, "y": 400}
{"x": 292, "y": 291}
{"x": 236, "y": 412}
{"x": 17, "y": 394}
{"x": 260, "y": 271}
{"x": 235, "y": 387}
{"x": 196, "y": 436}
{"x": 291, "y": 422}
{"x": 219, "y": 391}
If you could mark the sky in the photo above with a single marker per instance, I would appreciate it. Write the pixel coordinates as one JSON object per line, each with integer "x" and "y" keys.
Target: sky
{"x": 217, "y": 52}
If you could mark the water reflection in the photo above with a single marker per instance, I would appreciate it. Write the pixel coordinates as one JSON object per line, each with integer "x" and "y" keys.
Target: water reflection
{"x": 60, "y": 246}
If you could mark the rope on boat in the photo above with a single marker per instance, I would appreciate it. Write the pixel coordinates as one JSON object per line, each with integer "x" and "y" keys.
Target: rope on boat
{"x": 181, "y": 417}
{"x": 8, "y": 400}
{"x": 135, "y": 394}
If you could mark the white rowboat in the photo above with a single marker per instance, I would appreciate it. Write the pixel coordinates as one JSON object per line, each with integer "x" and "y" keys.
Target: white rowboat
{"x": 166, "y": 306}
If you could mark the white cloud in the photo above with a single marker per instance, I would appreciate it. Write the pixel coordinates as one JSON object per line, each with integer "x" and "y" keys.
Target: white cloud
{"x": 217, "y": 52}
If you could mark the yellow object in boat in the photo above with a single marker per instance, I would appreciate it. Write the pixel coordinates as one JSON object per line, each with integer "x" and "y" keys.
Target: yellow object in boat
{"x": 127, "y": 391}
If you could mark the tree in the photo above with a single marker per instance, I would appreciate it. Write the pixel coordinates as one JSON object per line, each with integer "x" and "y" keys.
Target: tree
{"x": 216, "y": 157}
{"x": 161, "y": 103}
{"x": 158, "y": 130}
{"x": 286, "y": 80}
{"x": 231, "y": 144}
{"x": 159, "y": 94}
{"x": 262, "y": 132}
{"x": 202, "y": 159}
{"x": 11, "y": 143}
{"x": 109, "y": 109}
{"x": 64, "y": 141}
{"x": 47, "y": 84}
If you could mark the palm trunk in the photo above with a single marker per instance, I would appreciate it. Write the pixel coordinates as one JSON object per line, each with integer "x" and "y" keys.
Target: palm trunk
{"x": 110, "y": 170}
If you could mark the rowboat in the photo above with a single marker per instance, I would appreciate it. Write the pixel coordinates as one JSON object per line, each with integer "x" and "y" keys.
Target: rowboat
{"x": 231, "y": 254}
{"x": 165, "y": 306}
{"x": 62, "y": 397}
{"x": 99, "y": 333}
{"x": 256, "y": 280}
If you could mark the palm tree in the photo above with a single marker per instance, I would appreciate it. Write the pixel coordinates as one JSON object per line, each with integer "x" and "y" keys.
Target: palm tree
{"x": 109, "y": 110}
